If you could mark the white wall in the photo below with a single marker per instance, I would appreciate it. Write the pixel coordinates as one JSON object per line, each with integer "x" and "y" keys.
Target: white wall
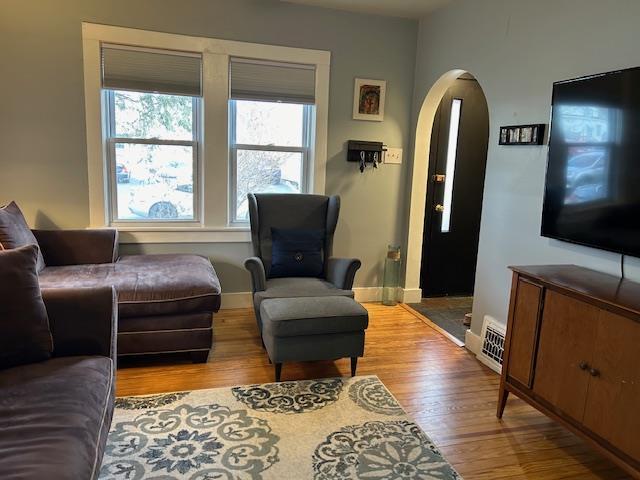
{"x": 43, "y": 163}
{"x": 517, "y": 49}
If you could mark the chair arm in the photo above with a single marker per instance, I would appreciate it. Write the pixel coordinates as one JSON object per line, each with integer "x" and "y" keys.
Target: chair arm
{"x": 75, "y": 247}
{"x": 83, "y": 321}
{"x": 342, "y": 271}
{"x": 258, "y": 275}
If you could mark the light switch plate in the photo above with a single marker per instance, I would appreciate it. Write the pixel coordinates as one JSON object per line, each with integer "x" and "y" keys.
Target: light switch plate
{"x": 393, "y": 155}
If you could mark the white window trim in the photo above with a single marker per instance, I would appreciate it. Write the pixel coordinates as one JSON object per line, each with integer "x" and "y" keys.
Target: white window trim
{"x": 214, "y": 166}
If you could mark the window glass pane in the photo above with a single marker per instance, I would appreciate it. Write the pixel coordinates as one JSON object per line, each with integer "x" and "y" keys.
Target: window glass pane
{"x": 269, "y": 123}
{"x": 452, "y": 152}
{"x": 266, "y": 172}
{"x": 154, "y": 182}
{"x": 153, "y": 115}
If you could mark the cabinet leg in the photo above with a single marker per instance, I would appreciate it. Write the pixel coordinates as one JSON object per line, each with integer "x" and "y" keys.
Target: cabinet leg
{"x": 354, "y": 365}
{"x": 278, "y": 370}
{"x": 503, "y": 394}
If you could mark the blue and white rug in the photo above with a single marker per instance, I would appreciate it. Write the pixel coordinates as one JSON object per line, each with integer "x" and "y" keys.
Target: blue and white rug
{"x": 337, "y": 428}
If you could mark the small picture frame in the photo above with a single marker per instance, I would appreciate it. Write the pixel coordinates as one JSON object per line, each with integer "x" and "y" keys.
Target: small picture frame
{"x": 522, "y": 134}
{"x": 368, "y": 99}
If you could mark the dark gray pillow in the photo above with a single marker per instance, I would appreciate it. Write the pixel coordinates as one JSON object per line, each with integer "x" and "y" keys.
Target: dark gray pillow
{"x": 24, "y": 326}
{"x": 296, "y": 253}
{"x": 14, "y": 231}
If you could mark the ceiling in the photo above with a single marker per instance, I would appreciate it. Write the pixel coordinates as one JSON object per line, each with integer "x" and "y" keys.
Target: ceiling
{"x": 394, "y": 8}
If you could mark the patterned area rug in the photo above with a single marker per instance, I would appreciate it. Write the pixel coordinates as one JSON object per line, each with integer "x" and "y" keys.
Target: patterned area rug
{"x": 335, "y": 428}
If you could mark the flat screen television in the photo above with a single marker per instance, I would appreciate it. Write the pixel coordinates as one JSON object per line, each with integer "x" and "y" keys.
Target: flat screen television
{"x": 592, "y": 189}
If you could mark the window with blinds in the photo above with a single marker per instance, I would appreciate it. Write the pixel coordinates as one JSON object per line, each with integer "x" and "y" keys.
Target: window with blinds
{"x": 152, "y": 98}
{"x": 272, "y": 81}
{"x": 150, "y": 70}
{"x": 271, "y": 110}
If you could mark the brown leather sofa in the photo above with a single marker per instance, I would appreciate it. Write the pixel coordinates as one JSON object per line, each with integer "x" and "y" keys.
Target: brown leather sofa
{"x": 165, "y": 302}
{"x": 55, "y": 415}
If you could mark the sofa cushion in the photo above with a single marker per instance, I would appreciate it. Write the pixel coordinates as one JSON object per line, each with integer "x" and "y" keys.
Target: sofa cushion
{"x": 14, "y": 231}
{"x": 24, "y": 326}
{"x": 290, "y": 317}
{"x": 55, "y": 417}
{"x": 296, "y": 253}
{"x": 298, "y": 287}
{"x": 146, "y": 284}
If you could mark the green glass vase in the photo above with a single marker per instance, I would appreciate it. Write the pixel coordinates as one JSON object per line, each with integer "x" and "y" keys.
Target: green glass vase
{"x": 391, "y": 279}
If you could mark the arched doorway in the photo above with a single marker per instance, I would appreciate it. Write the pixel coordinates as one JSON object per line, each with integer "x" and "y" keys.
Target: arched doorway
{"x": 444, "y": 218}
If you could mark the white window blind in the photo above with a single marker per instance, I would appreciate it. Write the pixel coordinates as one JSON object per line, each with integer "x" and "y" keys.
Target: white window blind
{"x": 272, "y": 81}
{"x": 148, "y": 70}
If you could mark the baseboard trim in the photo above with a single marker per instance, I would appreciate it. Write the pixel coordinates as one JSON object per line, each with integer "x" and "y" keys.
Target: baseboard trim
{"x": 472, "y": 342}
{"x": 367, "y": 294}
{"x": 362, "y": 294}
{"x": 410, "y": 295}
{"x": 236, "y": 300}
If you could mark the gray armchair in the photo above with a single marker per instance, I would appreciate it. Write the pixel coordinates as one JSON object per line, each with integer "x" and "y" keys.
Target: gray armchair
{"x": 296, "y": 211}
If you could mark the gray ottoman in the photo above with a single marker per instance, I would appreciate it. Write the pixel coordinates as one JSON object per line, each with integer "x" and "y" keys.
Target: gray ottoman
{"x": 313, "y": 328}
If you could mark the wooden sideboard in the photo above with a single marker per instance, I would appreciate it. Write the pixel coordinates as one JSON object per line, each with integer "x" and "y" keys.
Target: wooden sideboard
{"x": 572, "y": 350}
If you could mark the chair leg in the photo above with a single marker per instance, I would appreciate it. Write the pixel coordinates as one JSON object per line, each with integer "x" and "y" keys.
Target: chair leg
{"x": 354, "y": 365}
{"x": 278, "y": 368}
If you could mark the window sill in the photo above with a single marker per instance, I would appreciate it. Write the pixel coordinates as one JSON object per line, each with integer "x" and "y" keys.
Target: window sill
{"x": 184, "y": 235}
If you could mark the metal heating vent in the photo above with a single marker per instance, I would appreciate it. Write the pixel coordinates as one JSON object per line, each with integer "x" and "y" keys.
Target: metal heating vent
{"x": 492, "y": 343}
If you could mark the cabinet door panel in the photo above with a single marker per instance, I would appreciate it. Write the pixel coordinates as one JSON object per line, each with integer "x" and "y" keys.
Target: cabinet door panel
{"x": 613, "y": 401}
{"x": 567, "y": 338}
{"x": 524, "y": 327}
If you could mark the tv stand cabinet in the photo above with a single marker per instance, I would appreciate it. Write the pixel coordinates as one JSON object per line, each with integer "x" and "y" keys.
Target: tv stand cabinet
{"x": 572, "y": 351}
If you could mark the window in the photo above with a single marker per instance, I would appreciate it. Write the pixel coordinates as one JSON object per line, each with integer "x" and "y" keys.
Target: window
{"x": 180, "y": 128}
{"x": 152, "y": 151}
{"x": 269, "y": 150}
{"x": 452, "y": 153}
{"x": 152, "y": 136}
{"x": 270, "y": 115}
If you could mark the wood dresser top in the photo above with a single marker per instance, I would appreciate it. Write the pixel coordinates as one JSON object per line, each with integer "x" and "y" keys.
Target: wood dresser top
{"x": 606, "y": 291}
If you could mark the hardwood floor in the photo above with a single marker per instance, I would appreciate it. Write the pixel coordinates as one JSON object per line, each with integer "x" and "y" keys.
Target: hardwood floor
{"x": 443, "y": 387}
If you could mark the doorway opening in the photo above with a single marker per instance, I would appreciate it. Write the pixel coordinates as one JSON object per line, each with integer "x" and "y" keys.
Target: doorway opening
{"x": 457, "y": 159}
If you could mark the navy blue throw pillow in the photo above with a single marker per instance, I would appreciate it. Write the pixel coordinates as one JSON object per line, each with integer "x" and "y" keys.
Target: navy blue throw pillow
{"x": 296, "y": 253}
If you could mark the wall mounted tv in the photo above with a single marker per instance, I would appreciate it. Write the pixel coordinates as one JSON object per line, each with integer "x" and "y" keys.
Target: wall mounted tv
{"x": 592, "y": 190}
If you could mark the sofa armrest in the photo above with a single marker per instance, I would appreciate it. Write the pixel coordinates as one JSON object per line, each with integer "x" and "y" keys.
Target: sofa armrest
{"x": 75, "y": 247}
{"x": 342, "y": 271}
{"x": 83, "y": 321}
{"x": 258, "y": 275}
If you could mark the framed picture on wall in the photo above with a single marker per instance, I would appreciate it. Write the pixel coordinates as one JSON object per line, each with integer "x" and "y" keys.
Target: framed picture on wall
{"x": 522, "y": 134}
{"x": 368, "y": 99}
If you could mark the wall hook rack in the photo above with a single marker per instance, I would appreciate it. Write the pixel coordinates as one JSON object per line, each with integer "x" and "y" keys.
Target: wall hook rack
{"x": 365, "y": 152}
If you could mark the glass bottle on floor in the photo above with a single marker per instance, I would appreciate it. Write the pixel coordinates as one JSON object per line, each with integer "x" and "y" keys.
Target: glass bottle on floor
{"x": 391, "y": 276}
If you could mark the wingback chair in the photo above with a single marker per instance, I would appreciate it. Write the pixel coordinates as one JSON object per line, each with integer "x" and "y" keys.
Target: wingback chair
{"x": 296, "y": 211}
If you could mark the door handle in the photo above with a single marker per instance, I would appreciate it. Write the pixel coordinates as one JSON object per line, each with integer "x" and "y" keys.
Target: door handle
{"x": 439, "y": 208}
{"x": 583, "y": 366}
{"x": 594, "y": 372}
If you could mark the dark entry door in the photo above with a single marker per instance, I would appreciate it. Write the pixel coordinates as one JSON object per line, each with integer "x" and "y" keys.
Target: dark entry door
{"x": 457, "y": 162}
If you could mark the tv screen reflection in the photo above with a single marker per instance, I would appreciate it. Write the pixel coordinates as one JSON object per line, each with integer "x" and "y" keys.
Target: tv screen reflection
{"x": 587, "y": 132}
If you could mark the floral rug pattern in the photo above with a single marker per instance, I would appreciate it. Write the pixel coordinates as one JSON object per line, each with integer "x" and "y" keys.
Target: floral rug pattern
{"x": 290, "y": 397}
{"x": 372, "y": 395}
{"x": 338, "y": 428}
